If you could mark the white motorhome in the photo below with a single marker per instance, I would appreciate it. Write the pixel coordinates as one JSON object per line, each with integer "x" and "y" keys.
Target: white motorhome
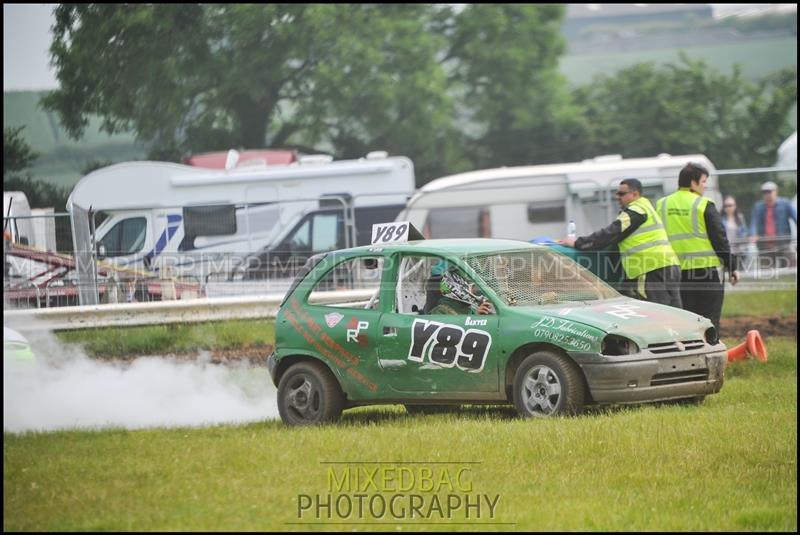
{"x": 538, "y": 201}
{"x": 202, "y": 221}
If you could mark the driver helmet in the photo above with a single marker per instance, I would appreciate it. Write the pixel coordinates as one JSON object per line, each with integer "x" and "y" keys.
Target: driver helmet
{"x": 454, "y": 286}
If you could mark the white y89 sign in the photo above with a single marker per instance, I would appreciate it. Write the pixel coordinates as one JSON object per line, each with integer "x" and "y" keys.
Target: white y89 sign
{"x": 390, "y": 232}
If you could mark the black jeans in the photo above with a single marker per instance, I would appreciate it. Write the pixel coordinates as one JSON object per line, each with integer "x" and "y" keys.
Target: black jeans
{"x": 662, "y": 285}
{"x": 702, "y": 292}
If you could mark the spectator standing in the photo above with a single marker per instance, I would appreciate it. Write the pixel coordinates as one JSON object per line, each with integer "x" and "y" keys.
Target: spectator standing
{"x": 696, "y": 232}
{"x": 770, "y": 228}
{"x": 735, "y": 227}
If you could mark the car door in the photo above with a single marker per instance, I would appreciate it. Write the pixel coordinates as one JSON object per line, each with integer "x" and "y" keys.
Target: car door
{"x": 340, "y": 329}
{"x": 434, "y": 353}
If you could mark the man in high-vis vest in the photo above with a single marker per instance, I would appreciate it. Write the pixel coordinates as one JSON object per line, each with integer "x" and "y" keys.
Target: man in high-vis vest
{"x": 698, "y": 237}
{"x": 651, "y": 266}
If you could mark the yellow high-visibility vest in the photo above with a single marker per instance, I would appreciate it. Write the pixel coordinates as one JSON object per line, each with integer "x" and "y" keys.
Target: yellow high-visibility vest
{"x": 648, "y": 247}
{"x": 683, "y": 214}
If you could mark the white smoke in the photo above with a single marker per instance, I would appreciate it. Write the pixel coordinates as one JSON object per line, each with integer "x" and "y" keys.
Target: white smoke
{"x": 62, "y": 388}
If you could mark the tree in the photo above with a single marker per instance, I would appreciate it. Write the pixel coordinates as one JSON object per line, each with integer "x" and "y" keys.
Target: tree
{"x": 686, "y": 108}
{"x": 347, "y": 78}
{"x": 505, "y": 64}
{"x": 17, "y": 154}
{"x": 191, "y": 78}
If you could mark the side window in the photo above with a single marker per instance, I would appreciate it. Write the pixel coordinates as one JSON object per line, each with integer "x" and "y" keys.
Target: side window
{"x": 417, "y": 284}
{"x": 316, "y": 233}
{"x": 325, "y": 231}
{"x": 432, "y": 285}
{"x": 362, "y": 273}
{"x": 126, "y": 237}
{"x": 462, "y": 222}
{"x": 546, "y": 212}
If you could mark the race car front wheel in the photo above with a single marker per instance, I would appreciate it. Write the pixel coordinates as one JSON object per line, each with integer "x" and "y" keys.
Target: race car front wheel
{"x": 548, "y": 384}
{"x": 308, "y": 394}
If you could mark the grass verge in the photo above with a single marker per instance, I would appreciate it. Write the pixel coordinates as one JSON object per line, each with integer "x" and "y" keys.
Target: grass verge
{"x": 172, "y": 338}
{"x": 760, "y": 303}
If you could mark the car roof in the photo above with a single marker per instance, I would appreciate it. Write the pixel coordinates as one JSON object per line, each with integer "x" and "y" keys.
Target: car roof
{"x": 460, "y": 247}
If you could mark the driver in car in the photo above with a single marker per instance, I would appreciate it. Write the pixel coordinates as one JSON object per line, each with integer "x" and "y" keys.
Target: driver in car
{"x": 456, "y": 295}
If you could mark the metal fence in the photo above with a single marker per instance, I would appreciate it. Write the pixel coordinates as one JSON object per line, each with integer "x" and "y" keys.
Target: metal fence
{"x": 258, "y": 248}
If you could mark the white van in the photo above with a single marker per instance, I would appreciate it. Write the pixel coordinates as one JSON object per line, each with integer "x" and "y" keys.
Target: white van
{"x": 201, "y": 221}
{"x": 538, "y": 201}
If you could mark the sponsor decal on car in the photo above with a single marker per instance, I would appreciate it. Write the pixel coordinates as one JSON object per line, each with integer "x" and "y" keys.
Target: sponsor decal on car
{"x": 354, "y": 328}
{"x": 333, "y": 319}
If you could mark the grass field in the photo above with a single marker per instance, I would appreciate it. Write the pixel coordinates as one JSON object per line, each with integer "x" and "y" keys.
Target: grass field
{"x": 760, "y": 303}
{"x": 730, "y": 464}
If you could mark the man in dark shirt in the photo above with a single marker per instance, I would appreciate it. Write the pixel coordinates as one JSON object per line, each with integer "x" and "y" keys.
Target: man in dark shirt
{"x": 698, "y": 236}
{"x": 651, "y": 267}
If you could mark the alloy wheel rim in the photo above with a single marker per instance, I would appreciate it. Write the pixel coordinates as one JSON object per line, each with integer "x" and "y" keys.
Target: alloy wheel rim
{"x": 541, "y": 391}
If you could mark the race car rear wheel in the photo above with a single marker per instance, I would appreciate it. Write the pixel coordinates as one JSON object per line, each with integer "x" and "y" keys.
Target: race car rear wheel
{"x": 308, "y": 394}
{"x": 548, "y": 384}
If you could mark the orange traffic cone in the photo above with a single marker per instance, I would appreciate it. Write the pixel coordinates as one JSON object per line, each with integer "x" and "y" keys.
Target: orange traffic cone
{"x": 753, "y": 346}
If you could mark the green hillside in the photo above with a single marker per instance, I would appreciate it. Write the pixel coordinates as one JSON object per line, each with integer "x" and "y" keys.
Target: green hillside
{"x": 757, "y": 58}
{"x": 61, "y": 158}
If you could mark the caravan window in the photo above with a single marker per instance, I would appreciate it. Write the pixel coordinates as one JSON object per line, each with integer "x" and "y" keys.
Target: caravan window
{"x": 546, "y": 212}
{"x": 209, "y": 220}
{"x": 462, "y": 222}
{"x": 126, "y": 237}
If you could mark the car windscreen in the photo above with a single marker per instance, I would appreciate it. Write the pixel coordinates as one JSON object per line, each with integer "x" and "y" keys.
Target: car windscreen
{"x": 538, "y": 277}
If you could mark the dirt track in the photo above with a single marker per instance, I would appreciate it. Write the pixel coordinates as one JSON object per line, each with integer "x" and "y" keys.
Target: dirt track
{"x": 766, "y": 325}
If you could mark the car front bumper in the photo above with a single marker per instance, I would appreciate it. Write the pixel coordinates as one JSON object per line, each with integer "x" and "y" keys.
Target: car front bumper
{"x": 639, "y": 378}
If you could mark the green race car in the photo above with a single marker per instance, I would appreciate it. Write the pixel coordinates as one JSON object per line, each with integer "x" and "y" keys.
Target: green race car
{"x": 437, "y": 323}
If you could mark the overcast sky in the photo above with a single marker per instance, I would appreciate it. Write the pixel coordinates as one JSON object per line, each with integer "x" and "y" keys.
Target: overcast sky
{"x": 26, "y": 40}
{"x": 26, "y": 43}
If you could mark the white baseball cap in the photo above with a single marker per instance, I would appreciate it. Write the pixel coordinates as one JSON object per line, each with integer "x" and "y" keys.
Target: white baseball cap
{"x": 769, "y": 186}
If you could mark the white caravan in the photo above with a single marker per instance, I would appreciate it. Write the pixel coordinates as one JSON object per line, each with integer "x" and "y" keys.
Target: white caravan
{"x": 538, "y": 201}
{"x": 203, "y": 221}
{"x": 28, "y": 226}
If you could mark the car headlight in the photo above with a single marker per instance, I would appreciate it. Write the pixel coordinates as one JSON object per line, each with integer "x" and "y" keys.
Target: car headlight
{"x": 712, "y": 337}
{"x": 614, "y": 345}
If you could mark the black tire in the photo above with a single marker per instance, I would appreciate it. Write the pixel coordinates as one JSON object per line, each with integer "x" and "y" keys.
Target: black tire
{"x": 308, "y": 394}
{"x": 431, "y": 409}
{"x": 548, "y": 384}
